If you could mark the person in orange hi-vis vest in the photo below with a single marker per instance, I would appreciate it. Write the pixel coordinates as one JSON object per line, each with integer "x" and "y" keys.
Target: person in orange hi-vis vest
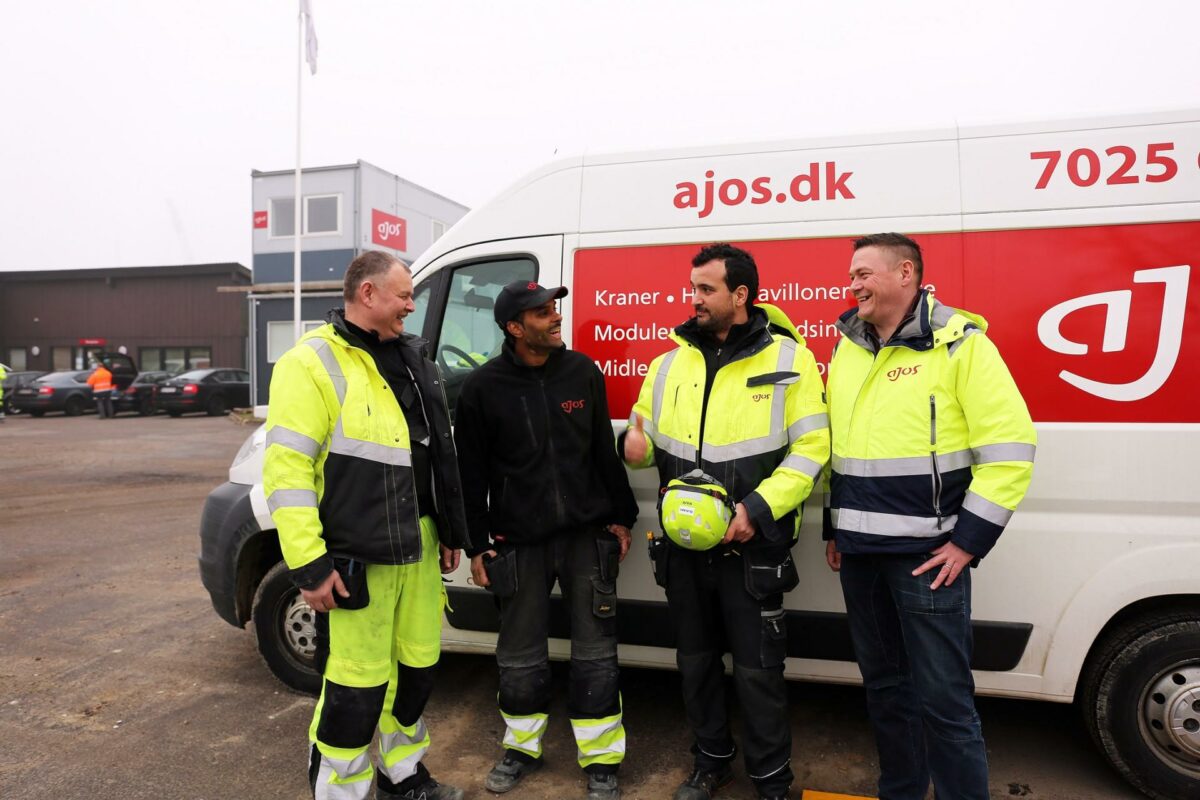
{"x": 101, "y": 381}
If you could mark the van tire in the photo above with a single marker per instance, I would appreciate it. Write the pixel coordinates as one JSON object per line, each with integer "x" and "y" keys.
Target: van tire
{"x": 287, "y": 653}
{"x": 1147, "y": 672}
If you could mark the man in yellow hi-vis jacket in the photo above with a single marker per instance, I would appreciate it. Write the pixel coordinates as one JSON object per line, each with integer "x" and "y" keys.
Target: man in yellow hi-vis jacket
{"x": 362, "y": 481}
{"x": 932, "y": 451}
{"x": 741, "y": 399}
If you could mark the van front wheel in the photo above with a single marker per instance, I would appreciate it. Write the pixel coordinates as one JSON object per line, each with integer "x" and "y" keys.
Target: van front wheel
{"x": 1141, "y": 702}
{"x": 286, "y": 630}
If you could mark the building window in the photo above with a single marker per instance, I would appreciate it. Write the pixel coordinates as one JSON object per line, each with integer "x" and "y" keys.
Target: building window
{"x": 17, "y": 359}
{"x": 280, "y": 337}
{"x": 439, "y": 228}
{"x": 322, "y": 215}
{"x": 174, "y": 359}
{"x": 61, "y": 358}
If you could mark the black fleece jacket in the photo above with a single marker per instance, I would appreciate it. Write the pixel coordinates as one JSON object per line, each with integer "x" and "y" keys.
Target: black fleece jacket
{"x": 536, "y": 451}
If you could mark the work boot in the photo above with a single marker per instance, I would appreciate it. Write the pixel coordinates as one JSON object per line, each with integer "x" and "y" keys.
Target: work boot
{"x": 508, "y": 772}
{"x": 703, "y": 784}
{"x": 603, "y": 786}
{"x": 429, "y": 790}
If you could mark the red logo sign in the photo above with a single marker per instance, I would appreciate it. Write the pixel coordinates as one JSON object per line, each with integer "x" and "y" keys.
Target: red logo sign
{"x": 1096, "y": 324}
{"x": 388, "y": 231}
{"x": 260, "y": 219}
{"x": 93, "y": 342}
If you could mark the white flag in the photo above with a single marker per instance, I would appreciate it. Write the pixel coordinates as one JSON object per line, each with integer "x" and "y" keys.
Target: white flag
{"x": 310, "y": 36}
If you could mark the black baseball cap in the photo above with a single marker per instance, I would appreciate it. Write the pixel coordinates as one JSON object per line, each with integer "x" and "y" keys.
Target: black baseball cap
{"x": 521, "y": 296}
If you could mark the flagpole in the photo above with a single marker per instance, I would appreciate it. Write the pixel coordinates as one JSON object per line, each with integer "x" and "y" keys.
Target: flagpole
{"x": 298, "y": 199}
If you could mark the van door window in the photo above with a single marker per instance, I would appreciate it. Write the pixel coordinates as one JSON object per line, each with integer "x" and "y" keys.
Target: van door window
{"x": 469, "y": 335}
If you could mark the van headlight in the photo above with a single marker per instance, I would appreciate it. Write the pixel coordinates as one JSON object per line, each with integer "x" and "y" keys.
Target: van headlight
{"x": 248, "y": 449}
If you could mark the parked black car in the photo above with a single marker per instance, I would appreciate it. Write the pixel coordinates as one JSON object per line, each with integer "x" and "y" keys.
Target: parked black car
{"x": 17, "y": 380}
{"x": 67, "y": 390}
{"x": 213, "y": 391}
{"x": 142, "y": 395}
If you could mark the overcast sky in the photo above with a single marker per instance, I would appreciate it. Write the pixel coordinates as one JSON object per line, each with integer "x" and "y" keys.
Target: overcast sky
{"x": 130, "y": 127}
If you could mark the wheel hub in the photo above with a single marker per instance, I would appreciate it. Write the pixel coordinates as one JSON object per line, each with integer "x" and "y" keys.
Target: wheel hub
{"x": 299, "y": 628}
{"x": 1171, "y": 716}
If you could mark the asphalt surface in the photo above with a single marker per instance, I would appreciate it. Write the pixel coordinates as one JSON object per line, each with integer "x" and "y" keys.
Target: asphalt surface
{"x": 117, "y": 679}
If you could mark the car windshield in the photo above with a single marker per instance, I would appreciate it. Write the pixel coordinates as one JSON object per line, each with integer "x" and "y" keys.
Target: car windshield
{"x": 194, "y": 375}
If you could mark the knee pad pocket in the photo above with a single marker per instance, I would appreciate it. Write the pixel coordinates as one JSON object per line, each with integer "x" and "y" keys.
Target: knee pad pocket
{"x": 349, "y": 714}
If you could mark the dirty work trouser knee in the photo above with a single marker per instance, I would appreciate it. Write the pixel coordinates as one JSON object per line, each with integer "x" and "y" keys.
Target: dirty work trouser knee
{"x": 589, "y": 594}
{"x": 378, "y": 671}
{"x": 712, "y": 612}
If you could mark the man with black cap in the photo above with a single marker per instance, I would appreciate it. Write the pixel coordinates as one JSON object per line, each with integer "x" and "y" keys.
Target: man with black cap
{"x": 547, "y": 500}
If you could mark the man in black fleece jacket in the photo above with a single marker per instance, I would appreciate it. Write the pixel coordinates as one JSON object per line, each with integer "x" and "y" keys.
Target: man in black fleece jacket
{"x": 547, "y": 499}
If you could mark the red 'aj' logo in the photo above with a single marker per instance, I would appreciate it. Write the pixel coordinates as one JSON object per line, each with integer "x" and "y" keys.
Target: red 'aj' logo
{"x": 571, "y": 405}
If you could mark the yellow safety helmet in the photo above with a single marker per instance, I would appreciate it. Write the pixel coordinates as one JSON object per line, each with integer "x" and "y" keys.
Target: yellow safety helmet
{"x": 695, "y": 511}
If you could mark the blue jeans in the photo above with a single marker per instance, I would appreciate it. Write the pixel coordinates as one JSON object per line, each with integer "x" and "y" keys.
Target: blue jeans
{"x": 914, "y": 649}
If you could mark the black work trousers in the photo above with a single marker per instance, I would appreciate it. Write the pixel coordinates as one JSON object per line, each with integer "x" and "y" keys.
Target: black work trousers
{"x": 713, "y": 613}
{"x": 584, "y": 565}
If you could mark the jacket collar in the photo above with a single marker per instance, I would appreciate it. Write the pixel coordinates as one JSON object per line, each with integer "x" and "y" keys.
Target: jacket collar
{"x": 337, "y": 318}
{"x": 747, "y": 339}
{"x": 509, "y": 354}
{"x": 930, "y": 324}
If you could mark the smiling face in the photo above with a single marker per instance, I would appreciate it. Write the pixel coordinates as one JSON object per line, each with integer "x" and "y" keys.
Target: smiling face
{"x": 884, "y": 286}
{"x": 538, "y": 330}
{"x": 385, "y": 300}
{"x": 717, "y": 307}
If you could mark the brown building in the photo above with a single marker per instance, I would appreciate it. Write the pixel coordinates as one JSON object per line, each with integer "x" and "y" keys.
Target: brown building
{"x": 166, "y": 318}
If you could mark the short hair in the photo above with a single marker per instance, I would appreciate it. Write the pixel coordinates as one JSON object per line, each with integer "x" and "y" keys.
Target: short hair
{"x": 366, "y": 266}
{"x": 740, "y": 269}
{"x": 899, "y": 245}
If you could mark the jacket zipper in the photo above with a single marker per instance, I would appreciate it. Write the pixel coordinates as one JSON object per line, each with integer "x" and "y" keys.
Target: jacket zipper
{"x": 936, "y": 475}
{"x": 559, "y": 507}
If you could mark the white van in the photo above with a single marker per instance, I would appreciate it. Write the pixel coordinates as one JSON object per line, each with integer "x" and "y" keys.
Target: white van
{"x": 1075, "y": 239}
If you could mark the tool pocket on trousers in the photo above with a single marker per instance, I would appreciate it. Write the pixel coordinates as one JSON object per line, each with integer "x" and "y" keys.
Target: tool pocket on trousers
{"x": 608, "y": 556}
{"x": 604, "y": 598}
{"x": 773, "y": 648}
{"x": 769, "y": 570}
{"x": 354, "y": 578}
{"x": 501, "y": 571}
{"x": 658, "y": 560}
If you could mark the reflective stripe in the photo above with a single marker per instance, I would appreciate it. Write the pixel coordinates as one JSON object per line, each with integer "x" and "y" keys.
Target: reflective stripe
{"x": 787, "y": 355}
{"x": 525, "y": 733}
{"x": 874, "y": 522}
{"x": 801, "y": 464}
{"x": 986, "y": 509}
{"x": 967, "y": 333}
{"x": 599, "y": 740}
{"x": 660, "y": 383}
{"x": 325, "y": 353}
{"x": 1007, "y": 451}
{"x": 813, "y": 422}
{"x": 294, "y": 440}
{"x": 338, "y": 779}
{"x": 720, "y": 453}
{"x": 896, "y": 467}
{"x": 371, "y": 451}
{"x": 401, "y": 752}
{"x": 291, "y": 498}
{"x": 681, "y": 450}
{"x": 769, "y": 774}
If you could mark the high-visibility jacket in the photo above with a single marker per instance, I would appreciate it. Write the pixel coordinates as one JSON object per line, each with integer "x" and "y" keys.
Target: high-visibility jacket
{"x": 932, "y": 441}
{"x": 337, "y": 471}
{"x": 100, "y": 380}
{"x": 3, "y": 375}
{"x": 764, "y": 431}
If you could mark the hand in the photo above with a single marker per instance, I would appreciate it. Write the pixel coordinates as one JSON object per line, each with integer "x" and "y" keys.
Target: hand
{"x": 478, "y": 573}
{"x": 741, "y": 528}
{"x": 953, "y": 560}
{"x": 635, "y": 441}
{"x": 449, "y": 559}
{"x": 623, "y": 536}
{"x": 832, "y": 557}
{"x": 322, "y": 598}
